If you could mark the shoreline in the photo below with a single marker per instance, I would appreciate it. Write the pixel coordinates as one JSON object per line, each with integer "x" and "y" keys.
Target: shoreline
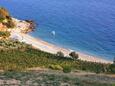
{"x": 51, "y": 48}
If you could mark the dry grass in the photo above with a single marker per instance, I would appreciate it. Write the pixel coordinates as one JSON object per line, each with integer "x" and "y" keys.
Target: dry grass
{"x": 53, "y": 78}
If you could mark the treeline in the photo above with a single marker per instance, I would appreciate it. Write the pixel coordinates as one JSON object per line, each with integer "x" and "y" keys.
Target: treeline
{"x": 19, "y": 59}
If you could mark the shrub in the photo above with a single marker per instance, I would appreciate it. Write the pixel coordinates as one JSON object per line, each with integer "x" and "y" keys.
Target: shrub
{"x": 1, "y": 19}
{"x": 112, "y": 68}
{"x": 113, "y": 84}
{"x": 74, "y": 55}
{"x": 12, "y": 58}
{"x": 60, "y": 54}
{"x": 4, "y": 34}
{"x": 55, "y": 67}
{"x": 67, "y": 69}
{"x": 10, "y": 24}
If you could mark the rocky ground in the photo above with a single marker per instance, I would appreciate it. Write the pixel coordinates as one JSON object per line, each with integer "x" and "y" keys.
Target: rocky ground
{"x": 54, "y": 78}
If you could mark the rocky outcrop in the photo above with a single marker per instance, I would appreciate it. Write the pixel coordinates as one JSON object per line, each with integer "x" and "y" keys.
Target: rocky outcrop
{"x": 32, "y": 24}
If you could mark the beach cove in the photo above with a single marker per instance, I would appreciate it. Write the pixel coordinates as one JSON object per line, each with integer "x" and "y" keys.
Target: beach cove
{"x": 48, "y": 47}
{"x": 55, "y": 51}
{"x": 23, "y": 27}
{"x": 85, "y": 26}
{"x": 77, "y": 24}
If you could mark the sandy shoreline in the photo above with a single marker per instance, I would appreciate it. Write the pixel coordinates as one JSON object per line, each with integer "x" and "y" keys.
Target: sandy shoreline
{"x": 51, "y": 48}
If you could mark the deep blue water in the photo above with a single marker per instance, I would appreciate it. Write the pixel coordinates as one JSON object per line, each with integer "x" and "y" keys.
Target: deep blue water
{"x": 82, "y": 25}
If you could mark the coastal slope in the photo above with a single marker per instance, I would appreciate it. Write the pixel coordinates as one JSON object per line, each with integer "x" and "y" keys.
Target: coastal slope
{"x": 48, "y": 47}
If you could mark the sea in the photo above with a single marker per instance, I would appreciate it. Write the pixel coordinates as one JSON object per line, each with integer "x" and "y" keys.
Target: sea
{"x": 86, "y": 26}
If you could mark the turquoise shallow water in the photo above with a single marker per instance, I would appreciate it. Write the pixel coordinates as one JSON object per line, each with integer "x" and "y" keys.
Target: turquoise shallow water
{"x": 82, "y": 25}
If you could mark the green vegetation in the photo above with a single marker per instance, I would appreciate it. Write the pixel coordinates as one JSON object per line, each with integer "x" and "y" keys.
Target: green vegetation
{"x": 60, "y": 54}
{"x": 1, "y": 19}
{"x": 74, "y": 55}
{"x": 18, "y": 56}
{"x": 4, "y": 34}
{"x": 52, "y": 79}
{"x": 55, "y": 67}
{"x": 20, "y": 60}
{"x": 9, "y": 44}
{"x": 9, "y": 23}
{"x": 112, "y": 68}
{"x": 67, "y": 69}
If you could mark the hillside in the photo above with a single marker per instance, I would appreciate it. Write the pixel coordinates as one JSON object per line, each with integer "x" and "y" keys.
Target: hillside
{"x": 4, "y": 13}
{"x": 19, "y": 62}
{"x": 18, "y": 56}
{"x": 5, "y": 19}
{"x": 8, "y": 24}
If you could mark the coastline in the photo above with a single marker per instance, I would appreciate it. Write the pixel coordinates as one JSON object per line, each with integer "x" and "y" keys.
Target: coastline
{"x": 51, "y": 48}
{"x": 20, "y": 33}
